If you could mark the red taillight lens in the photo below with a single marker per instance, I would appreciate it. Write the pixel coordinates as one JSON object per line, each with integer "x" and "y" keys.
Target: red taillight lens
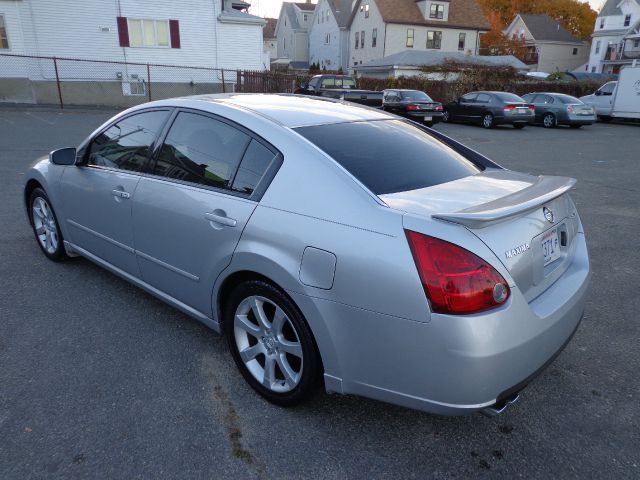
{"x": 532, "y": 108}
{"x": 438, "y": 108}
{"x": 413, "y": 107}
{"x": 509, "y": 108}
{"x": 455, "y": 280}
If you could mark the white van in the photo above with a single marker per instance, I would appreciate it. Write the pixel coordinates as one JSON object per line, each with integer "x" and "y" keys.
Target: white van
{"x": 619, "y": 99}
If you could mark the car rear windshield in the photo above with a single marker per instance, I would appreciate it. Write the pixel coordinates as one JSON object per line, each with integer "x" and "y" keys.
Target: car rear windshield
{"x": 568, "y": 99}
{"x": 390, "y": 156}
{"x": 416, "y": 97}
{"x": 509, "y": 97}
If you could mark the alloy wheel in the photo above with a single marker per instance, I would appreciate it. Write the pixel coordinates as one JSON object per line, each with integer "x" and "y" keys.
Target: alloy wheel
{"x": 445, "y": 116}
{"x": 487, "y": 121}
{"x": 44, "y": 224}
{"x": 549, "y": 121}
{"x": 268, "y": 344}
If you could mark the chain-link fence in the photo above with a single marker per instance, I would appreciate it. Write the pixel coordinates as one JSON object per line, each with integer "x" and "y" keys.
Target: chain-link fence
{"x": 74, "y": 81}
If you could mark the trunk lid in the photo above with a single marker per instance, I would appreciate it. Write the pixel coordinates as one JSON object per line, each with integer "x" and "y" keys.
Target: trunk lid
{"x": 528, "y": 222}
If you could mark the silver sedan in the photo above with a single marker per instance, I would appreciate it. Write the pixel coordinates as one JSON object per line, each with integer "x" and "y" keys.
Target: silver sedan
{"x": 331, "y": 244}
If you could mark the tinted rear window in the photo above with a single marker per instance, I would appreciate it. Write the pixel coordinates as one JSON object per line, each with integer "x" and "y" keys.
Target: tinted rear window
{"x": 390, "y": 156}
{"x": 416, "y": 97}
{"x": 509, "y": 97}
{"x": 568, "y": 99}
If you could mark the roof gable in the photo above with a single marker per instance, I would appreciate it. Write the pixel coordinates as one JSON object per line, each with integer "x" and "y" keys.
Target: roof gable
{"x": 462, "y": 13}
{"x": 545, "y": 29}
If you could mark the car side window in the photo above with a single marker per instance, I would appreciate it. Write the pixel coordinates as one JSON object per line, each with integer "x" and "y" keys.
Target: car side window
{"x": 253, "y": 166}
{"x": 314, "y": 82}
{"x": 483, "y": 98}
{"x": 126, "y": 145}
{"x": 530, "y": 98}
{"x": 608, "y": 89}
{"x": 546, "y": 99}
{"x": 200, "y": 149}
{"x": 328, "y": 82}
{"x": 469, "y": 97}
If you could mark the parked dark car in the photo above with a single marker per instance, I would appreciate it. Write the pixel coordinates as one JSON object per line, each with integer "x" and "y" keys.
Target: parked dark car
{"x": 490, "y": 109}
{"x": 553, "y": 109}
{"x": 412, "y": 104}
{"x": 341, "y": 87}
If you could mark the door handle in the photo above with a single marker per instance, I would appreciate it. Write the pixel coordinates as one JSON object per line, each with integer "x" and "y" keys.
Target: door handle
{"x": 121, "y": 194}
{"x": 220, "y": 219}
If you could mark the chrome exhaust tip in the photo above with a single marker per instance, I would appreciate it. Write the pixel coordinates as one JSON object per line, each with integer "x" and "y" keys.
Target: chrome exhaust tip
{"x": 499, "y": 407}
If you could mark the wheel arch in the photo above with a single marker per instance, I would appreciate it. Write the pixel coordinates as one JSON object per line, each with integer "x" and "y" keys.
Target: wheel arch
{"x": 29, "y": 187}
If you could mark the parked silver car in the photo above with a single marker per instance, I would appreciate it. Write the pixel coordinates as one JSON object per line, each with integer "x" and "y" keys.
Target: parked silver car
{"x": 327, "y": 242}
{"x": 553, "y": 109}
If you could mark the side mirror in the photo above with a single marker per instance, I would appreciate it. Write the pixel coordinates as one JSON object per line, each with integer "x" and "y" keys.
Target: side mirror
{"x": 310, "y": 88}
{"x": 63, "y": 156}
{"x": 597, "y": 93}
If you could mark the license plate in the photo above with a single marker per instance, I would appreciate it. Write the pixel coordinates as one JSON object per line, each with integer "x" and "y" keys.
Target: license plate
{"x": 550, "y": 246}
{"x": 523, "y": 110}
{"x": 428, "y": 119}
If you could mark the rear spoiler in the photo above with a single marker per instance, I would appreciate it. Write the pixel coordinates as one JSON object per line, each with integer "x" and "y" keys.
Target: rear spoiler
{"x": 545, "y": 189}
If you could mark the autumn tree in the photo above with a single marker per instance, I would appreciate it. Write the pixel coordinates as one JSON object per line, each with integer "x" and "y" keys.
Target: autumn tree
{"x": 576, "y": 17}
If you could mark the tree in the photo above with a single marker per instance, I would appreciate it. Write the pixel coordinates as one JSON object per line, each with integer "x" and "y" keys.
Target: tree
{"x": 576, "y": 17}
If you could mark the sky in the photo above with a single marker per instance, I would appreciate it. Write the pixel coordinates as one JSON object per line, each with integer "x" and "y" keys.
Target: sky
{"x": 271, "y": 8}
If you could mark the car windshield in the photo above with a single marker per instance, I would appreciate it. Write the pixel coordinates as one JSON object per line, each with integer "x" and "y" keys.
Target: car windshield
{"x": 390, "y": 156}
{"x": 568, "y": 99}
{"x": 345, "y": 82}
{"x": 416, "y": 96}
{"x": 509, "y": 97}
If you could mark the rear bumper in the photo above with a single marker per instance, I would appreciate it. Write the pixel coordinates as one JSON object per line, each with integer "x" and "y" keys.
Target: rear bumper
{"x": 435, "y": 116}
{"x": 455, "y": 364}
{"x": 579, "y": 120}
{"x": 515, "y": 119}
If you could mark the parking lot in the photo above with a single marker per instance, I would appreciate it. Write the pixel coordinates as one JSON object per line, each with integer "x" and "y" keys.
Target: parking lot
{"x": 100, "y": 380}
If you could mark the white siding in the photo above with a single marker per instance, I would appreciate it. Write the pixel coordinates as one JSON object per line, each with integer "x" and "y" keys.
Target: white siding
{"x": 327, "y": 55}
{"x": 361, "y": 23}
{"x": 611, "y": 22}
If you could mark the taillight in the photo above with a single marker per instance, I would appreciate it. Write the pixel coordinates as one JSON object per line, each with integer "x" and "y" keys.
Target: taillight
{"x": 438, "y": 108}
{"x": 509, "y": 108}
{"x": 455, "y": 280}
{"x": 570, "y": 109}
{"x": 532, "y": 108}
{"x": 413, "y": 107}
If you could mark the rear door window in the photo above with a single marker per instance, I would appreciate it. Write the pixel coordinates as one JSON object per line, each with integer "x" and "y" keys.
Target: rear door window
{"x": 255, "y": 163}
{"x": 390, "y": 156}
{"x": 201, "y": 149}
{"x": 483, "y": 98}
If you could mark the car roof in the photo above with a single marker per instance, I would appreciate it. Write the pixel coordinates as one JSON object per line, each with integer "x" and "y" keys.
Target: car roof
{"x": 285, "y": 109}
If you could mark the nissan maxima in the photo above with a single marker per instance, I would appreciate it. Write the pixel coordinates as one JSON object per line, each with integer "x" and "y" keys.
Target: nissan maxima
{"x": 333, "y": 245}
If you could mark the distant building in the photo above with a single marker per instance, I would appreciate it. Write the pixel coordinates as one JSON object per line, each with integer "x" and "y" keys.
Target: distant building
{"x": 379, "y": 28}
{"x": 292, "y": 33}
{"x": 269, "y": 38}
{"x": 550, "y": 48}
{"x": 410, "y": 63}
{"x": 329, "y": 34}
{"x": 616, "y": 36}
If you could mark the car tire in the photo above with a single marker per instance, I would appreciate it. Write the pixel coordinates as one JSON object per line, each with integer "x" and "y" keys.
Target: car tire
{"x": 604, "y": 118}
{"x": 45, "y": 226}
{"x": 549, "y": 120}
{"x": 487, "y": 120}
{"x": 271, "y": 343}
{"x": 446, "y": 116}
{"x": 519, "y": 126}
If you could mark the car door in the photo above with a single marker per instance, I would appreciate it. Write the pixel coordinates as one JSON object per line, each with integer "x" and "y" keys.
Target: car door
{"x": 603, "y": 99}
{"x": 189, "y": 213}
{"x": 480, "y": 105}
{"x": 97, "y": 194}
{"x": 463, "y": 110}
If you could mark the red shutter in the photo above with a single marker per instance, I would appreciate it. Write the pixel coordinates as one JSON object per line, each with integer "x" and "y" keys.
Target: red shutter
{"x": 123, "y": 31}
{"x": 174, "y": 33}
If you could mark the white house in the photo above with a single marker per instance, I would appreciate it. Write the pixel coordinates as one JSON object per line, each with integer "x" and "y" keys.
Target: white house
{"x": 380, "y": 28}
{"x": 197, "y": 33}
{"x": 292, "y": 32}
{"x": 550, "y": 48}
{"x": 616, "y": 36}
{"x": 329, "y": 34}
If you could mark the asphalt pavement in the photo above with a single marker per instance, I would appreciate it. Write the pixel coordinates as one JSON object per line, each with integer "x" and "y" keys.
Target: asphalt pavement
{"x": 100, "y": 380}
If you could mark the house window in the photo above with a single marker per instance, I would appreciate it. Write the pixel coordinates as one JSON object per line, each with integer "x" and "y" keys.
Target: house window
{"x": 410, "y": 33}
{"x": 148, "y": 33}
{"x": 361, "y": 8}
{"x": 636, "y": 43}
{"x": 362, "y": 39}
{"x": 437, "y": 11}
{"x": 366, "y": 11}
{"x": 597, "y": 50}
{"x": 575, "y": 51}
{"x": 593, "y": 69}
{"x": 374, "y": 37}
{"x": 461, "y": 41}
{"x": 285, "y": 21}
{"x": 601, "y": 23}
{"x": 327, "y": 39}
{"x": 4, "y": 40}
{"x": 305, "y": 17}
{"x": 434, "y": 40}
{"x": 357, "y": 40}
{"x": 627, "y": 20}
